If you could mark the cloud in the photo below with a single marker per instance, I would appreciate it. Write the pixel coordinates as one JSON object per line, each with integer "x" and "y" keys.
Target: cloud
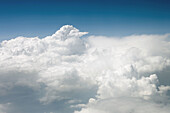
{"x": 4, "y": 107}
{"x": 82, "y": 75}
{"x": 124, "y": 105}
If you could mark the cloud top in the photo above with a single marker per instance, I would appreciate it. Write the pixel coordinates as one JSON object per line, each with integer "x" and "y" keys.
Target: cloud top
{"x": 68, "y": 31}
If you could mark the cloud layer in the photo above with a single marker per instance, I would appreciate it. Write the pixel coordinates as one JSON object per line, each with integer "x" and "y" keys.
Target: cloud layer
{"x": 69, "y": 74}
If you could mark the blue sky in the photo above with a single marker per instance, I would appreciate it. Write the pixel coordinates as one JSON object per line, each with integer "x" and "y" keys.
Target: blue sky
{"x": 98, "y": 17}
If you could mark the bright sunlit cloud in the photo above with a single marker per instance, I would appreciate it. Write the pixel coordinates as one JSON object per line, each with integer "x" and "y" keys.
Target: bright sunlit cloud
{"x": 97, "y": 74}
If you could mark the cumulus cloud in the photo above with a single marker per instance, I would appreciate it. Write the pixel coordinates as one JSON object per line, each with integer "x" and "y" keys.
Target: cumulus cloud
{"x": 96, "y": 74}
{"x": 124, "y": 105}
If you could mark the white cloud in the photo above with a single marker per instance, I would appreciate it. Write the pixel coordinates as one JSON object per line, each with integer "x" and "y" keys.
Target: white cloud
{"x": 4, "y": 107}
{"x": 103, "y": 70}
{"x": 125, "y": 105}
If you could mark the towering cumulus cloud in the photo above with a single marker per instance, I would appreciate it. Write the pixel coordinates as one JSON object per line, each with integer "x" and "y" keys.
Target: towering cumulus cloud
{"x": 65, "y": 73}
